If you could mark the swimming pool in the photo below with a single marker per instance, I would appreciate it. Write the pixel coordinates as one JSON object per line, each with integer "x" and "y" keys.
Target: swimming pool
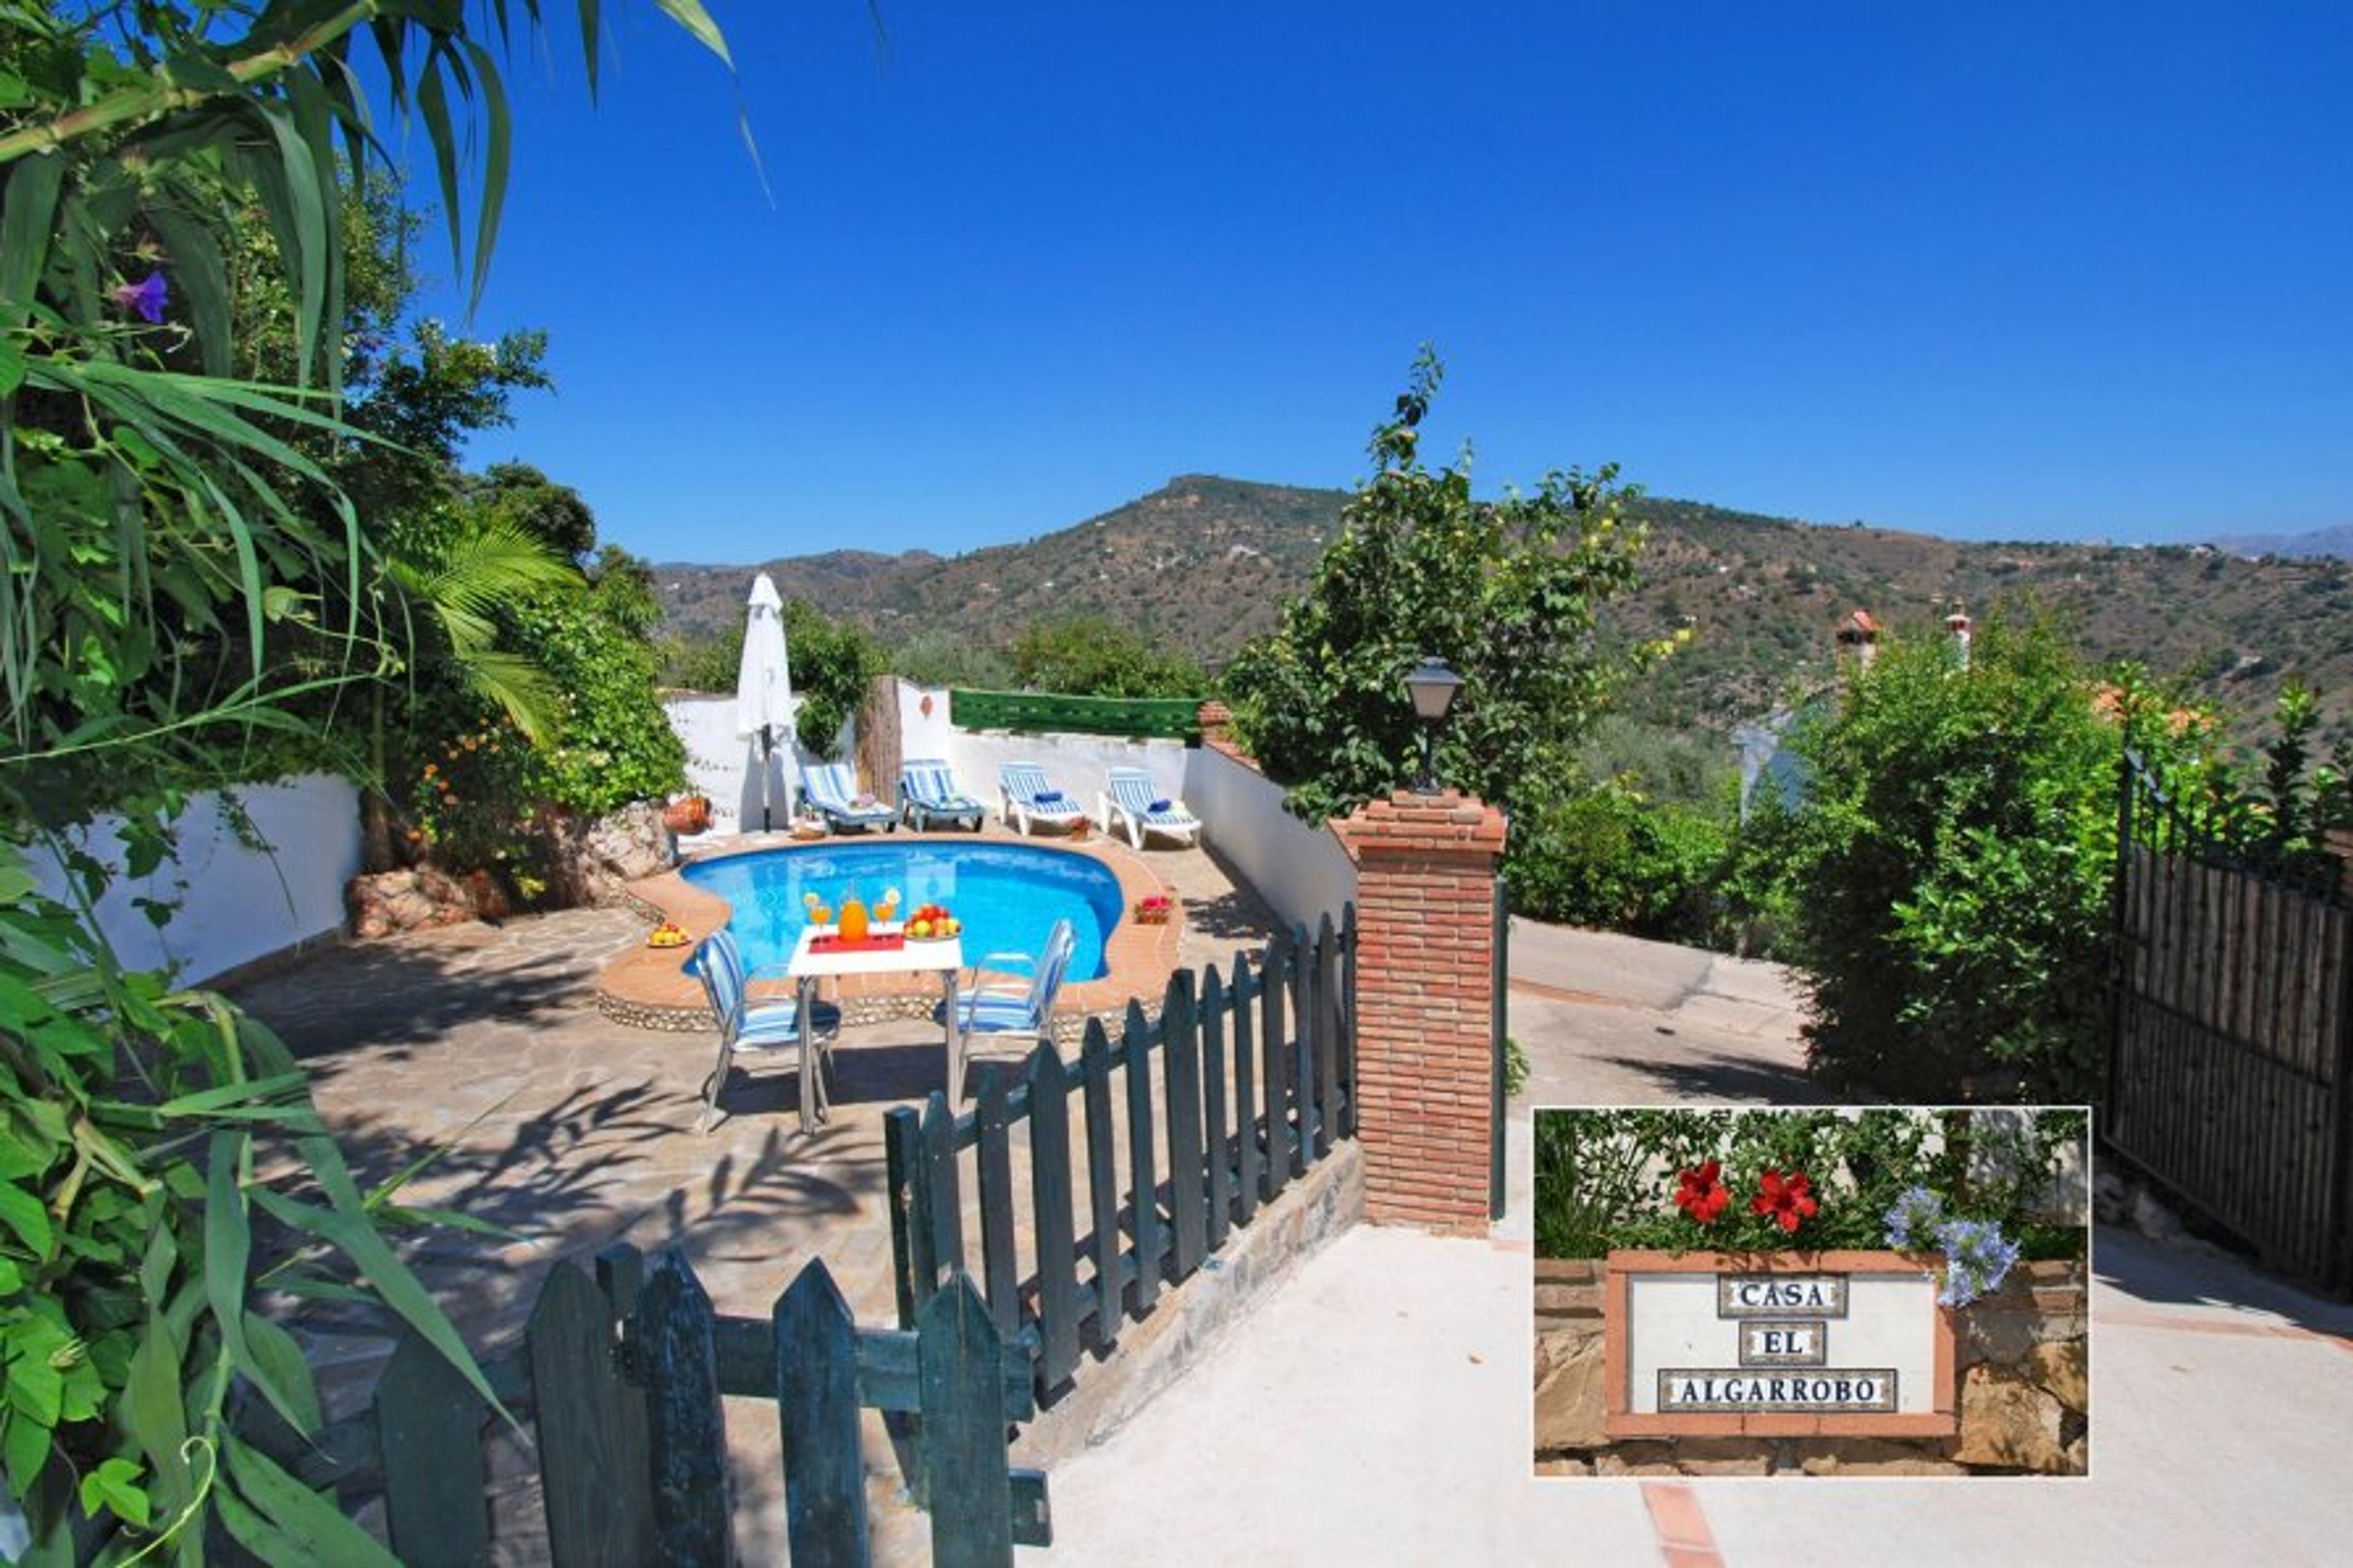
{"x": 1007, "y": 896}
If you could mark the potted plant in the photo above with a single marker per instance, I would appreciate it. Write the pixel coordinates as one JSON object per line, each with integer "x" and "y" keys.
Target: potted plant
{"x": 688, "y": 813}
{"x": 1155, "y": 910}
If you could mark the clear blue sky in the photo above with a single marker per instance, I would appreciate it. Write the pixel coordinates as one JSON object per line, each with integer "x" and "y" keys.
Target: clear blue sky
{"x": 2013, "y": 271}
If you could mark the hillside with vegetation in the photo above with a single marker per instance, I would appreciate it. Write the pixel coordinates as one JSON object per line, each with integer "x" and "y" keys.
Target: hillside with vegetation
{"x": 1203, "y": 563}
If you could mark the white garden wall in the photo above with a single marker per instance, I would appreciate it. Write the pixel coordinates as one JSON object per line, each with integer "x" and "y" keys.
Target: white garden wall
{"x": 235, "y": 904}
{"x": 724, "y": 767}
{"x": 1078, "y": 765}
{"x": 930, "y": 733}
{"x": 1300, "y": 868}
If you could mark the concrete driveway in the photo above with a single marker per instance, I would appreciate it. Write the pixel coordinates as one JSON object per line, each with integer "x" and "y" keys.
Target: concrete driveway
{"x": 1376, "y": 1410}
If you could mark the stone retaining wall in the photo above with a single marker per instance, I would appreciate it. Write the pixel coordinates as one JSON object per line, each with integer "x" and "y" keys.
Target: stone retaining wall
{"x": 1152, "y": 1354}
{"x": 2023, "y": 1363}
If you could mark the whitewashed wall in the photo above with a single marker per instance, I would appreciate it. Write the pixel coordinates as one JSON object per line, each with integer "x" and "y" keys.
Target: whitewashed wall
{"x": 1298, "y": 867}
{"x": 725, "y": 766}
{"x": 234, "y": 905}
{"x": 1078, "y": 765}
{"x": 923, "y": 734}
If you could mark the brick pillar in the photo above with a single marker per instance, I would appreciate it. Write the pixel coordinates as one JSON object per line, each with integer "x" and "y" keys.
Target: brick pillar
{"x": 1425, "y": 994}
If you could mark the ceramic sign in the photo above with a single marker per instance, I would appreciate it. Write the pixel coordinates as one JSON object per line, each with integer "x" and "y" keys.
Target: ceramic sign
{"x": 1776, "y": 1344}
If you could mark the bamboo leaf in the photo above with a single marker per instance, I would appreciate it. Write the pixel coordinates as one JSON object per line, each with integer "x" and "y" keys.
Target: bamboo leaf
{"x": 497, "y": 155}
{"x": 228, "y": 1241}
{"x": 347, "y": 1228}
{"x": 276, "y": 1354}
{"x": 433, "y": 105}
{"x": 301, "y": 1525}
{"x": 591, "y": 41}
{"x": 312, "y": 237}
{"x": 27, "y": 229}
{"x": 690, "y": 15}
{"x": 158, "y": 1420}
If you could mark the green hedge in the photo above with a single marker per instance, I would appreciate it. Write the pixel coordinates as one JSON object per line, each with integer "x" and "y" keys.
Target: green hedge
{"x": 1037, "y": 712}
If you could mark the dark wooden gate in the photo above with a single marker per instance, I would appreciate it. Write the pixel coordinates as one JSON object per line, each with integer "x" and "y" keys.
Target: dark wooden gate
{"x": 621, "y": 1379}
{"x": 2231, "y": 1071}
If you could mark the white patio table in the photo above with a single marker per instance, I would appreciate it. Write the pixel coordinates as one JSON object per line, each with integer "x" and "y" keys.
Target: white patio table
{"x": 810, "y": 965}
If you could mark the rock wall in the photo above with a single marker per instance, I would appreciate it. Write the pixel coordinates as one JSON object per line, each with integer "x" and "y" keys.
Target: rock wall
{"x": 2025, "y": 1403}
{"x": 593, "y": 862}
{"x": 590, "y": 862}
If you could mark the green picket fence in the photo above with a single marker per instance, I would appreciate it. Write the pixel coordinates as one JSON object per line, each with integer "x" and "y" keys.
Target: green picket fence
{"x": 1042, "y": 712}
{"x": 1243, "y": 1083}
{"x": 619, "y": 1382}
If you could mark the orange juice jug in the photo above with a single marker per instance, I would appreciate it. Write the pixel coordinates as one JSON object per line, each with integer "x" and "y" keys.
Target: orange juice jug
{"x": 853, "y": 919}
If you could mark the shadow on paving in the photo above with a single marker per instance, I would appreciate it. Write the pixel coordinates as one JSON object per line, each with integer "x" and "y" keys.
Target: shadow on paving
{"x": 1235, "y": 915}
{"x": 583, "y": 1174}
{"x": 387, "y": 997}
{"x": 2162, "y": 1273}
{"x": 1730, "y": 1078}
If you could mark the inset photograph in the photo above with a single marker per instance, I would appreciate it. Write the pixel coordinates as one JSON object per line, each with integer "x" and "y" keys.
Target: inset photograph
{"x": 1867, "y": 1291}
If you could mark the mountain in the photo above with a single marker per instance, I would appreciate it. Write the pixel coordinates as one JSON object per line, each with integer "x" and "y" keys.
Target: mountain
{"x": 1200, "y": 564}
{"x": 2337, "y": 541}
{"x": 1205, "y": 563}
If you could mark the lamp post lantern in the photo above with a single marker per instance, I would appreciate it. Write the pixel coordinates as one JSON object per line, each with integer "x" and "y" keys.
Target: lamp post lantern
{"x": 1433, "y": 684}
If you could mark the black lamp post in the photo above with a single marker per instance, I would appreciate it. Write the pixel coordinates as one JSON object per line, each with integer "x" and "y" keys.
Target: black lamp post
{"x": 1432, "y": 686}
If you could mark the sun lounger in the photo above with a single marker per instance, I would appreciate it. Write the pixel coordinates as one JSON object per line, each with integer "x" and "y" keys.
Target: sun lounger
{"x": 1134, "y": 803}
{"x": 830, "y": 787}
{"x": 929, "y": 793}
{"x": 1031, "y": 800}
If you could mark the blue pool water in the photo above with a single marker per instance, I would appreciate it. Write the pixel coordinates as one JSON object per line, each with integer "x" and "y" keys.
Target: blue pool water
{"x": 1007, "y": 896}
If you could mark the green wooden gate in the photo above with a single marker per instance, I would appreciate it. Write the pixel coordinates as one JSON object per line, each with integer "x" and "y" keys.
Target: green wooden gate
{"x": 621, "y": 1379}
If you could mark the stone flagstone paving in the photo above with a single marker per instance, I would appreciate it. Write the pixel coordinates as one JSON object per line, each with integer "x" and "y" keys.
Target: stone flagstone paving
{"x": 482, "y": 1046}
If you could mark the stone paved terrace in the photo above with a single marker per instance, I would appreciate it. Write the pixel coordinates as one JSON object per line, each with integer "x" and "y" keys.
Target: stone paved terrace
{"x": 572, "y": 1130}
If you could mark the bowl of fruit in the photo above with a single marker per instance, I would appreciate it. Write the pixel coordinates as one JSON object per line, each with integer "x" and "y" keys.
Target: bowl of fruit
{"x": 668, "y": 935}
{"x": 932, "y": 923}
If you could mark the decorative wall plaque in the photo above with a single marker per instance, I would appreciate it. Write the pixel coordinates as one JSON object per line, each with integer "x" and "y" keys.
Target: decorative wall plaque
{"x": 1776, "y": 1344}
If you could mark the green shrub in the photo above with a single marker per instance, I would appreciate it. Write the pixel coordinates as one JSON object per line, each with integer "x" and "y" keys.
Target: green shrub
{"x": 1947, "y": 878}
{"x": 1608, "y": 1178}
{"x": 1609, "y": 857}
{"x": 1088, "y": 655}
{"x": 833, "y": 663}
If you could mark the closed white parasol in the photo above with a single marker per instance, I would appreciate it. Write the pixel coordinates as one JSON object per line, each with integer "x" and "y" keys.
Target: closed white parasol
{"x": 764, "y": 691}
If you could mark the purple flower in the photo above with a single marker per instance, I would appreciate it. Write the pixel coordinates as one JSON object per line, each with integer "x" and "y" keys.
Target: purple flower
{"x": 1914, "y": 1217}
{"x": 147, "y": 297}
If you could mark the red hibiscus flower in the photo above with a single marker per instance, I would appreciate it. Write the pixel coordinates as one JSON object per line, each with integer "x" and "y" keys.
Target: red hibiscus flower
{"x": 1700, "y": 1195}
{"x": 1783, "y": 1199}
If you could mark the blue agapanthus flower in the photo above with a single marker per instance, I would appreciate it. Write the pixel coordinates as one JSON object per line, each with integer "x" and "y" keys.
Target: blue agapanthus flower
{"x": 1977, "y": 1258}
{"x": 1913, "y": 1220}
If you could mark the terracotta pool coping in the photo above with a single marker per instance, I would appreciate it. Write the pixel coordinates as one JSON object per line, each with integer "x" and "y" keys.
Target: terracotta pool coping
{"x": 648, "y": 986}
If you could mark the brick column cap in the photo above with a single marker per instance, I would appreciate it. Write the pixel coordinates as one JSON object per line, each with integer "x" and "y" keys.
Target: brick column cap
{"x": 1449, "y": 823}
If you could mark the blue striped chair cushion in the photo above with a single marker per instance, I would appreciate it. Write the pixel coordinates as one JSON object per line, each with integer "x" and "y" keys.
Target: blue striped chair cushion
{"x": 996, "y": 1014}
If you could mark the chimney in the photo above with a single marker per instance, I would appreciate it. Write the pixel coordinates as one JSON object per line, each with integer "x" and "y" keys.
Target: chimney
{"x": 1957, "y": 626}
{"x": 1858, "y": 639}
